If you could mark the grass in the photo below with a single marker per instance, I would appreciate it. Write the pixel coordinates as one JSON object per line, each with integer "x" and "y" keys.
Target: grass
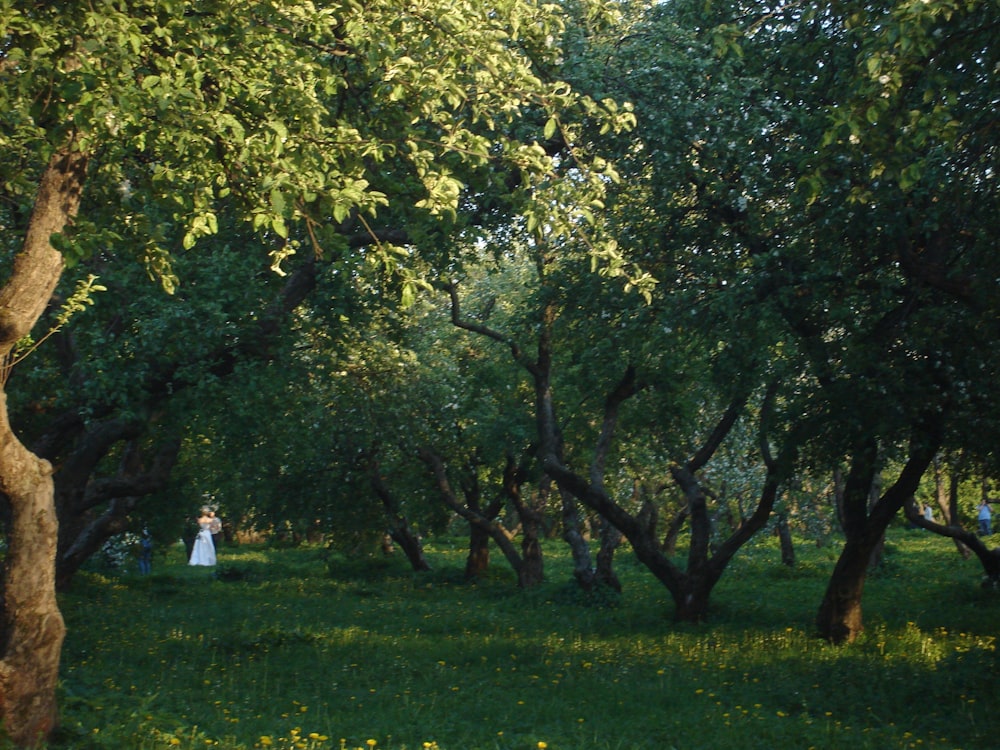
{"x": 287, "y": 649}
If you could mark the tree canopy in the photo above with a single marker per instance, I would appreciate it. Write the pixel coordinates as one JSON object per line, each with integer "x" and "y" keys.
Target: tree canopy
{"x": 380, "y": 222}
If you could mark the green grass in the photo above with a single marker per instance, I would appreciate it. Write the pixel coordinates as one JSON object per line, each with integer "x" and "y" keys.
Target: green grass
{"x": 285, "y": 644}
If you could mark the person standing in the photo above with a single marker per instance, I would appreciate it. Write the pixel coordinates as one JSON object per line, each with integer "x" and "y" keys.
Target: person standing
{"x": 145, "y": 553}
{"x": 203, "y": 552}
{"x": 215, "y": 529}
{"x": 985, "y": 518}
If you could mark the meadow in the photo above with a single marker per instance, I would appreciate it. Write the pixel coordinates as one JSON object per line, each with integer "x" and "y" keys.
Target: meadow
{"x": 297, "y": 648}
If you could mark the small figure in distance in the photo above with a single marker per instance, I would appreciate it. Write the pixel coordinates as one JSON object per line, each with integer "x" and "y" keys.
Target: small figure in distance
{"x": 203, "y": 552}
{"x": 145, "y": 553}
{"x": 985, "y": 518}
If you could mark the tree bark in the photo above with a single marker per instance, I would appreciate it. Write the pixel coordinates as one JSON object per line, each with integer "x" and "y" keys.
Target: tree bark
{"x": 478, "y": 560}
{"x": 32, "y": 628}
{"x": 947, "y": 500}
{"x": 531, "y": 570}
{"x": 674, "y": 531}
{"x": 691, "y": 588}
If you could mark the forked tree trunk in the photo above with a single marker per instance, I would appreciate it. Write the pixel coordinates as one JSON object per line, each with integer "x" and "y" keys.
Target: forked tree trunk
{"x": 530, "y": 566}
{"x": 540, "y": 370}
{"x": 31, "y": 628}
{"x": 122, "y": 493}
{"x": 839, "y": 618}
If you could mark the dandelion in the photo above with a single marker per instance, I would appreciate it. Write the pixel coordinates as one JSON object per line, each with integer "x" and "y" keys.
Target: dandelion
{"x": 542, "y": 745}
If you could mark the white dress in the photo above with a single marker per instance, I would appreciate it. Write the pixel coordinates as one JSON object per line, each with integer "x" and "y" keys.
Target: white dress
{"x": 203, "y": 552}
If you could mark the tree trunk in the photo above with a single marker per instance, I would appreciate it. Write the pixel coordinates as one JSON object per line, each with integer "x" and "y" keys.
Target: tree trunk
{"x": 691, "y": 602}
{"x": 122, "y": 493}
{"x": 478, "y": 561}
{"x": 32, "y": 626}
{"x": 785, "y": 539}
{"x": 583, "y": 570}
{"x": 550, "y": 441}
{"x": 399, "y": 528}
{"x": 530, "y": 566}
{"x": 948, "y": 503}
{"x": 402, "y": 534}
{"x": 839, "y": 618}
{"x": 532, "y": 569}
{"x": 611, "y": 538}
{"x": 969, "y": 541}
{"x": 86, "y": 504}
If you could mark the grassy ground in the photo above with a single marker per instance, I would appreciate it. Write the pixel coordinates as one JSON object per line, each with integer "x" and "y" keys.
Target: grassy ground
{"x": 285, "y": 649}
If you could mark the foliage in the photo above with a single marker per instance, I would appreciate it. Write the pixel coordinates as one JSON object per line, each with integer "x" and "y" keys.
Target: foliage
{"x": 297, "y": 113}
{"x": 384, "y": 658}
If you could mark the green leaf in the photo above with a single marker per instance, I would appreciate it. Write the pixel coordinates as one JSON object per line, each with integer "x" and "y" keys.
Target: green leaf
{"x": 550, "y": 127}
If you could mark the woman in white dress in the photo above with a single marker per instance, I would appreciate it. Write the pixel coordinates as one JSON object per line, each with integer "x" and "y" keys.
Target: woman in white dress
{"x": 203, "y": 552}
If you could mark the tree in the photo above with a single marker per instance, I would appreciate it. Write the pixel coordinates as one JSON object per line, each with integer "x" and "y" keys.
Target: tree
{"x": 903, "y": 184}
{"x": 842, "y": 199}
{"x": 282, "y": 114}
{"x": 126, "y": 397}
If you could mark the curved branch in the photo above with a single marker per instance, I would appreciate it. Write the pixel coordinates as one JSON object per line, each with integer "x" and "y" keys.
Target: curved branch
{"x": 459, "y": 322}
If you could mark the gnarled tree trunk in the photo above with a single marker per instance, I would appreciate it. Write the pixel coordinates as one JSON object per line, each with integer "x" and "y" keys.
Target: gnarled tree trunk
{"x": 32, "y": 626}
